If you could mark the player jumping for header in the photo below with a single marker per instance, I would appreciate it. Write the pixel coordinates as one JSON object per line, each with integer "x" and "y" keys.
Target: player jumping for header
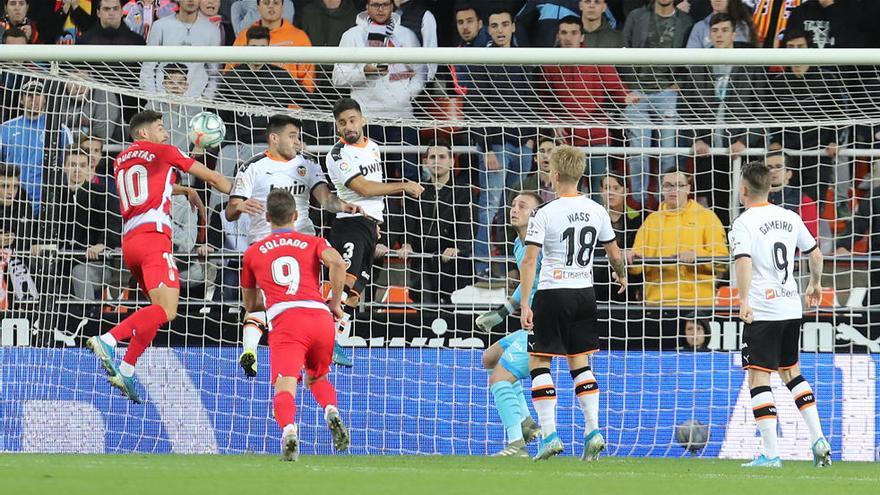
{"x": 763, "y": 241}
{"x": 145, "y": 174}
{"x": 281, "y": 166}
{"x": 356, "y": 169}
{"x": 564, "y": 322}
{"x": 509, "y": 357}
{"x": 286, "y": 265}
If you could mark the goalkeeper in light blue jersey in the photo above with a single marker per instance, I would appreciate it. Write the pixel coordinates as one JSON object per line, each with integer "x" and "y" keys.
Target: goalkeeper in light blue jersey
{"x": 508, "y": 359}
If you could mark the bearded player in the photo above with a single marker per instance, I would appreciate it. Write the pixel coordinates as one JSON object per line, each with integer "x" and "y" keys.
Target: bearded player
{"x": 286, "y": 265}
{"x": 145, "y": 176}
{"x": 281, "y": 166}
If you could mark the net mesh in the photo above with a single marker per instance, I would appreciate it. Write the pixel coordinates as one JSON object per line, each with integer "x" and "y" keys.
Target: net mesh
{"x": 670, "y": 343}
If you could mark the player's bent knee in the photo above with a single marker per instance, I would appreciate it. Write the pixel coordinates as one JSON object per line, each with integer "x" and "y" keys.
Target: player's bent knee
{"x": 758, "y": 378}
{"x": 285, "y": 384}
{"x": 500, "y": 374}
{"x": 491, "y": 356}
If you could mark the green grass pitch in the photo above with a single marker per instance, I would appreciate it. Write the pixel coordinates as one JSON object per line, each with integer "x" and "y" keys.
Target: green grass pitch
{"x": 133, "y": 474}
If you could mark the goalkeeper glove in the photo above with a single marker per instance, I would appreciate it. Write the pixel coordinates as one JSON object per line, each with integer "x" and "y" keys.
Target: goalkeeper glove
{"x": 489, "y": 319}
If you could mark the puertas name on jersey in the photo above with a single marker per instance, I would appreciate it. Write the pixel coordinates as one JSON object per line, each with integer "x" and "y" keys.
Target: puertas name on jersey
{"x": 142, "y": 154}
{"x": 282, "y": 242}
{"x": 776, "y": 225}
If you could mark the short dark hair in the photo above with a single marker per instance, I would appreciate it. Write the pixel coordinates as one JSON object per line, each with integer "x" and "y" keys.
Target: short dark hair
{"x": 14, "y": 32}
{"x": 795, "y": 33}
{"x": 721, "y": 17}
{"x": 73, "y": 151}
{"x": 619, "y": 179}
{"x": 174, "y": 67}
{"x": 440, "y": 142}
{"x": 464, "y": 6}
{"x": 280, "y": 206}
{"x": 499, "y": 11}
{"x": 344, "y": 104}
{"x": 543, "y": 138}
{"x": 141, "y": 119}
{"x": 257, "y": 33}
{"x": 572, "y": 19}
{"x": 757, "y": 176}
{"x": 100, "y": 3}
{"x": 8, "y": 170}
{"x": 279, "y": 121}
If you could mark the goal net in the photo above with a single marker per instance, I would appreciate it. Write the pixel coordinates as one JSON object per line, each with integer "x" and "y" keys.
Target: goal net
{"x": 664, "y": 144}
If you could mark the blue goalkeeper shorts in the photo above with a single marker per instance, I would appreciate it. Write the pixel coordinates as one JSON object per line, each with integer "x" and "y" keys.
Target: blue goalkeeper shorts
{"x": 516, "y": 354}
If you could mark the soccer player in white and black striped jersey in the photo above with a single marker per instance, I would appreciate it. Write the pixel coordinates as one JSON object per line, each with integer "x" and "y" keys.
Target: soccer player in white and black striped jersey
{"x": 355, "y": 166}
{"x": 566, "y": 231}
{"x": 764, "y": 240}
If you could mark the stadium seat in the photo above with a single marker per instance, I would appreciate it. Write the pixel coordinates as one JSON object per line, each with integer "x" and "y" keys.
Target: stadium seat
{"x": 727, "y": 296}
{"x": 397, "y": 294}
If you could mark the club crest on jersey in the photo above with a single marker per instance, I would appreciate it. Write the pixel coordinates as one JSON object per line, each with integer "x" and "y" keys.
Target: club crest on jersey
{"x": 301, "y": 171}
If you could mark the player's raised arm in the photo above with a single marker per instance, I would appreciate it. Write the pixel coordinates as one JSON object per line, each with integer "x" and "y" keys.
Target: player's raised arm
{"x": 211, "y": 177}
{"x": 367, "y": 188}
{"x": 332, "y": 203}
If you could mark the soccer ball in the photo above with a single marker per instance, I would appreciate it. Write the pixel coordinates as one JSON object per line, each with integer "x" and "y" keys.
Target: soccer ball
{"x": 206, "y": 130}
{"x": 692, "y": 435}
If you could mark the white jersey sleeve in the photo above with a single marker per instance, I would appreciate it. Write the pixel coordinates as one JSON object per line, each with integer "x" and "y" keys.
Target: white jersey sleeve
{"x": 805, "y": 241}
{"x": 341, "y": 169}
{"x": 740, "y": 240}
{"x": 314, "y": 175}
{"x": 243, "y": 186}
{"x": 606, "y": 230}
{"x": 537, "y": 228}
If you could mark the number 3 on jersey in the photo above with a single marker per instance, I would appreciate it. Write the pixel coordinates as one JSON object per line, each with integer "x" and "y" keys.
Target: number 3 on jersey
{"x": 285, "y": 272}
{"x": 133, "y": 188}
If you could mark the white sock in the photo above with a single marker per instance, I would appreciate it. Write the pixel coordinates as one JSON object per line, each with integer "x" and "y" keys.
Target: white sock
{"x": 544, "y": 400}
{"x": 126, "y": 370}
{"x": 764, "y": 409}
{"x": 288, "y": 430}
{"x": 251, "y": 332}
{"x": 586, "y": 390}
{"x": 805, "y": 400}
{"x": 108, "y": 339}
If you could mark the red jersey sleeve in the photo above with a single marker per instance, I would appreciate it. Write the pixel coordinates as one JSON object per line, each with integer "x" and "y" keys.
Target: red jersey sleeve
{"x": 321, "y": 246}
{"x": 248, "y": 278}
{"x": 176, "y": 158}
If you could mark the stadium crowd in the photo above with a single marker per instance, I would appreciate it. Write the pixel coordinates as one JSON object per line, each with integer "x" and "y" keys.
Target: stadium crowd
{"x": 57, "y": 193}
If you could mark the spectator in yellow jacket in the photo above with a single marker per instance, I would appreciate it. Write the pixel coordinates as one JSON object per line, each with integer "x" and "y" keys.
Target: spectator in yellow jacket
{"x": 681, "y": 230}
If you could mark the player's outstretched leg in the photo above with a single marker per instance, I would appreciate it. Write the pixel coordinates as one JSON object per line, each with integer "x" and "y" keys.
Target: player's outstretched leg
{"x": 141, "y": 328}
{"x": 805, "y": 400}
{"x": 252, "y": 332}
{"x": 343, "y": 327}
{"x": 544, "y": 400}
{"x": 530, "y": 429}
{"x": 586, "y": 390}
{"x": 508, "y": 409}
{"x": 764, "y": 409}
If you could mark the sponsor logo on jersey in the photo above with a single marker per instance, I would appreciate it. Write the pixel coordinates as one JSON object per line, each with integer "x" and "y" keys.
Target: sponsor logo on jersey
{"x": 294, "y": 189}
{"x": 770, "y": 294}
{"x": 371, "y": 168}
{"x": 559, "y": 274}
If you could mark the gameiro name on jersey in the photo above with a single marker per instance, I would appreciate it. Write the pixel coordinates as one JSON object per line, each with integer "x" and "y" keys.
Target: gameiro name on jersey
{"x": 567, "y": 230}
{"x": 770, "y": 235}
{"x": 345, "y": 162}
{"x": 258, "y": 176}
{"x": 145, "y": 180}
{"x": 286, "y": 265}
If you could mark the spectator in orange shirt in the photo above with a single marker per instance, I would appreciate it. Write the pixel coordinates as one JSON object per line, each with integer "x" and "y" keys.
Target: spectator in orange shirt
{"x": 282, "y": 33}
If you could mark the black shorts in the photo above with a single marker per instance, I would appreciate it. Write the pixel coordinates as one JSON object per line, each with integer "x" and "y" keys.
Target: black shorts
{"x": 355, "y": 238}
{"x": 565, "y": 322}
{"x": 771, "y": 345}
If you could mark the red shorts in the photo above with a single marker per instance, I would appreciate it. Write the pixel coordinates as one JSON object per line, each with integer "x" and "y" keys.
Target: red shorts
{"x": 301, "y": 337}
{"x": 147, "y": 255}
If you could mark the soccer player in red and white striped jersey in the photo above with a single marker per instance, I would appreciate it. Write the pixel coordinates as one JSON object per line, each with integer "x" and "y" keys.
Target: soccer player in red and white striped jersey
{"x": 286, "y": 265}
{"x": 145, "y": 175}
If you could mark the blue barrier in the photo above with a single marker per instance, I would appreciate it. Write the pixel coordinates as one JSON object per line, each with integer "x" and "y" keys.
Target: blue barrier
{"x": 412, "y": 401}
